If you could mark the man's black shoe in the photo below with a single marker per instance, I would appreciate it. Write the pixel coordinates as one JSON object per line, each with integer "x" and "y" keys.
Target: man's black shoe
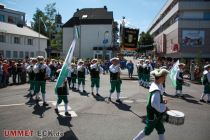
{"x": 56, "y": 111}
{"x": 67, "y": 114}
{"x": 202, "y": 100}
{"x": 45, "y": 104}
{"x": 98, "y": 94}
{"x": 119, "y": 101}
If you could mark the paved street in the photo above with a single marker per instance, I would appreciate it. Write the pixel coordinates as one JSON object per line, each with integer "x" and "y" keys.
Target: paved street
{"x": 96, "y": 118}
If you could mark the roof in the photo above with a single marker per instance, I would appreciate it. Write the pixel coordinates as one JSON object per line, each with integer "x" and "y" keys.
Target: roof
{"x": 14, "y": 29}
{"x": 90, "y": 16}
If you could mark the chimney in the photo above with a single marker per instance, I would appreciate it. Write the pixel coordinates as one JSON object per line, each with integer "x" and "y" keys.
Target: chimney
{"x": 77, "y": 9}
{"x": 105, "y": 7}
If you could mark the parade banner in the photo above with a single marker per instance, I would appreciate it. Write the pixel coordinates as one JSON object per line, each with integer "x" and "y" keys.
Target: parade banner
{"x": 64, "y": 70}
{"x": 173, "y": 72}
{"x": 129, "y": 38}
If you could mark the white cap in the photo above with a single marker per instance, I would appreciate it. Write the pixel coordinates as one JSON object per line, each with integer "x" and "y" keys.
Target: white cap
{"x": 159, "y": 72}
{"x": 114, "y": 58}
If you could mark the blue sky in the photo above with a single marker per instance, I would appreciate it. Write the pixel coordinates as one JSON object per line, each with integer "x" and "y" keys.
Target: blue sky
{"x": 138, "y": 13}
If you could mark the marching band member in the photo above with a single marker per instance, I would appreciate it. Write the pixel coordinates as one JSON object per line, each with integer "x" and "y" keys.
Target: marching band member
{"x": 73, "y": 75}
{"x": 206, "y": 83}
{"x": 95, "y": 70}
{"x": 81, "y": 72}
{"x": 115, "y": 80}
{"x": 31, "y": 75}
{"x": 156, "y": 106}
{"x": 62, "y": 93}
{"x": 42, "y": 72}
{"x": 179, "y": 80}
{"x": 164, "y": 83}
{"x": 147, "y": 69}
{"x": 53, "y": 69}
{"x": 140, "y": 71}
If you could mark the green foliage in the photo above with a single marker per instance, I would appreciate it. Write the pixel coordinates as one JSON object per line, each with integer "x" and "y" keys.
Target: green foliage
{"x": 36, "y": 21}
{"x": 48, "y": 19}
{"x": 145, "y": 39}
{"x": 198, "y": 59}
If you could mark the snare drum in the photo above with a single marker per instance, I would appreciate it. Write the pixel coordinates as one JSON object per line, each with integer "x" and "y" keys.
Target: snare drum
{"x": 174, "y": 117}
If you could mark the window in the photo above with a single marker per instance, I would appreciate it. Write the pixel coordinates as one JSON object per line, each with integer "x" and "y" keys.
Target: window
{"x": 84, "y": 16}
{"x": 17, "y": 40}
{"x": 1, "y": 53}
{"x": 2, "y": 18}
{"x": 206, "y": 15}
{"x": 26, "y": 54}
{"x": 21, "y": 54}
{"x": 11, "y": 19}
{"x": 2, "y": 38}
{"x": 15, "y": 54}
{"x": 32, "y": 54}
{"x": 30, "y": 42}
{"x": 8, "y": 54}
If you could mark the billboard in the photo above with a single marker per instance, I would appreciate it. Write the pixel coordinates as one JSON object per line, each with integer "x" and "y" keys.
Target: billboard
{"x": 129, "y": 38}
{"x": 192, "y": 38}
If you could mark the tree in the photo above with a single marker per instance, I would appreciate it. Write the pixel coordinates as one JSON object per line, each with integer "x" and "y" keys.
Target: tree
{"x": 50, "y": 12}
{"x": 36, "y": 21}
{"x": 45, "y": 18}
{"x": 145, "y": 39}
{"x": 145, "y": 42}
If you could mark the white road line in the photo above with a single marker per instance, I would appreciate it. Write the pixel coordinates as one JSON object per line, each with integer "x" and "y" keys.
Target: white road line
{"x": 7, "y": 105}
{"x": 62, "y": 110}
{"x": 12, "y": 105}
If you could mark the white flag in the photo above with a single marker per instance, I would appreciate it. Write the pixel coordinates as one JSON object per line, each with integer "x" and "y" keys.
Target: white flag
{"x": 173, "y": 73}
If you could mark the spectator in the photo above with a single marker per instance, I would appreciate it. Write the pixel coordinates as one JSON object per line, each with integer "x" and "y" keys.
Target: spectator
{"x": 19, "y": 71}
{"x": 5, "y": 73}
{"x": 130, "y": 68}
{"x": 1, "y": 74}
{"x": 14, "y": 72}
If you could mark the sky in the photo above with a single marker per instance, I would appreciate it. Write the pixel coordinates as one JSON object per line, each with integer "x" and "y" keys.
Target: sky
{"x": 138, "y": 13}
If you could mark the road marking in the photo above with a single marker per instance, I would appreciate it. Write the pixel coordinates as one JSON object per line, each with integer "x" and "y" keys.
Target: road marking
{"x": 141, "y": 100}
{"x": 61, "y": 109}
{"x": 73, "y": 114}
{"x": 128, "y": 101}
{"x": 8, "y": 105}
{"x": 12, "y": 105}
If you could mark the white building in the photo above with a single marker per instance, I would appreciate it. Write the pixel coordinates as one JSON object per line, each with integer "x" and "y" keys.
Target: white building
{"x": 95, "y": 33}
{"x": 18, "y": 43}
{"x": 11, "y": 16}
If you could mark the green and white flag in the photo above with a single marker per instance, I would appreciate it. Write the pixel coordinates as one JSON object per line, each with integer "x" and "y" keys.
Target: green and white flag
{"x": 64, "y": 70}
{"x": 173, "y": 72}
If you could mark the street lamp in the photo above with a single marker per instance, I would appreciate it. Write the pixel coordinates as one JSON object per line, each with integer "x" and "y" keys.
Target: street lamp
{"x": 105, "y": 41}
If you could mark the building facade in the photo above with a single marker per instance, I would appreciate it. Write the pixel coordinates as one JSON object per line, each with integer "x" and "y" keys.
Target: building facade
{"x": 182, "y": 29}
{"x": 18, "y": 41}
{"x": 11, "y": 16}
{"x": 95, "y": 28}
